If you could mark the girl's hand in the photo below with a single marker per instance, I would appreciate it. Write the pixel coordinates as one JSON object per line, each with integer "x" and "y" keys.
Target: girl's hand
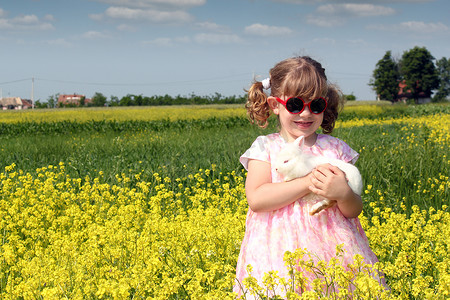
{"x": 264, "y": 195}
{"x": 330, "y": 182}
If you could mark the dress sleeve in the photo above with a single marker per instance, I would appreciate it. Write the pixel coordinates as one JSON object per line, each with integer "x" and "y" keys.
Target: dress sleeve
{"x": 347, "y": 153}
{"x": 258, "y": 150}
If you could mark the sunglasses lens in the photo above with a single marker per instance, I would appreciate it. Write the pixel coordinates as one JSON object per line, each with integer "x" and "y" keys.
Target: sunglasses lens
{"x": 318, "y": 106}
{"x": 294, "y": 105}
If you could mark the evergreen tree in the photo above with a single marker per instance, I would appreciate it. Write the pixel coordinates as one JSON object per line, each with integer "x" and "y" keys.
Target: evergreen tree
{"x": 385, "y": 78}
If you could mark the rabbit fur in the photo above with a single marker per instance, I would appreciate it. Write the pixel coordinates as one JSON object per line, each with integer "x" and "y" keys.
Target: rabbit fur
{"x": 292, "y": 162}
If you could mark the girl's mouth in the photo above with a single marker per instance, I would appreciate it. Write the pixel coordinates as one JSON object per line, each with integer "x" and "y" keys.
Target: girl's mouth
{"x": 303, "y": 124}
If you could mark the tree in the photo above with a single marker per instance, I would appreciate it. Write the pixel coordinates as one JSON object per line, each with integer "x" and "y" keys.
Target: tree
{"x": 39, "y": 104}
{"x": 126, "y": 100}
{"x": 419, "y": 72}
{"x": 350, "y": 97}
{"x": 385, "y": 78}
{"x": 138, "y": 100}
{"x": 98, "y": 99}
{"x": 114, "y": 101}
{"x": 52, "y": 100}
{"x": 443, "y": 69}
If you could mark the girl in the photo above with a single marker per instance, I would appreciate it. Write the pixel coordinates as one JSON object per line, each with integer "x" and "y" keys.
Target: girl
{"x": 278, "y": 220}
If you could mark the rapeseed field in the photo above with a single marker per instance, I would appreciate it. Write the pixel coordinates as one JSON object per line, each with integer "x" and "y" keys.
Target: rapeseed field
{"x": 145, "y": 220}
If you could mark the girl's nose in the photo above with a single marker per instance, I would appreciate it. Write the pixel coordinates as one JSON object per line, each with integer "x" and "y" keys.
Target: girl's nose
{"x": 306, "y": 111}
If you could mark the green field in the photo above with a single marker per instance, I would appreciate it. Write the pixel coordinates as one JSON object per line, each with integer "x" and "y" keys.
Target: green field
{"x": 183, "y": 146}
{"x": 181, "y": 170}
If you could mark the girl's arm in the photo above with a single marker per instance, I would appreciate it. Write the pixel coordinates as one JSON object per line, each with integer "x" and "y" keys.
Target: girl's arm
{"x": 264, "y": 195}
{"x": 330, "y": 182}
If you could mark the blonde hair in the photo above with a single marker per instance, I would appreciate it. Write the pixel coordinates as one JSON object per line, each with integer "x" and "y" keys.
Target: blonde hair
{"x": 295, "y": 77}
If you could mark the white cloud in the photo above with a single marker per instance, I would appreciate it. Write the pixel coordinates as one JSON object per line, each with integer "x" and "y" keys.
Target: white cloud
{"x": 301, "y": 1}
{"x": 168, "y": 42}
{"x": 41, "y": 26}
{"x": 414, "y": 27}
{"x": 182, "y": 39}
{"x": 4, "y": 24}
{"x": 331, "y": 15}
{"x": 137, "y": 14}
{"x": 24, "y": 22}
{"x": 93, "y": 35}
{"x": 25, "y": 19}
{"x": 355, "y": 10}
{"x": 60, "y": 43}
{"x": 212, "y": 38}
{"x": 324, "y": 22}
{"x": 210, "y": 26}
{"x": 96, "y": 17}
{"x": 161, "y": 42}
{"x": 49, "y": 17}
{"x": 350, "y": 1}
{"x": 424, "y": 27}
{"x": 152, "y": 3}
{"x": 266, "y": 30}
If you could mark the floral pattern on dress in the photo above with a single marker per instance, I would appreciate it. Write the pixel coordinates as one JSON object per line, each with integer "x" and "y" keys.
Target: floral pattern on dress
{"x": 268, "y": 235}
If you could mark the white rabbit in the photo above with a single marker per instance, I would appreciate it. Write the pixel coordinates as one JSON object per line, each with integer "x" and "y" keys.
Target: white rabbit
{"x": 292, "y": 162}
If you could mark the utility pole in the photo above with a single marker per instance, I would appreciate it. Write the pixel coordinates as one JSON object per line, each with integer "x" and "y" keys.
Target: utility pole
{"x": 32, "y": 92}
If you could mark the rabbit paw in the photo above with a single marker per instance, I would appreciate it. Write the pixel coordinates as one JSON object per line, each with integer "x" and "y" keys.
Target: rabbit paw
{"x": 319, "y": 206}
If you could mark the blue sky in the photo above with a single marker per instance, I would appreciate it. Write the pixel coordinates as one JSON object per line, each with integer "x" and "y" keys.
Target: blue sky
{"x": 179, "y": 47}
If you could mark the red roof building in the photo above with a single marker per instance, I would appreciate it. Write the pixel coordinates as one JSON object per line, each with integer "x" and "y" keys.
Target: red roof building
{"x": 404, "y": 95}
{"x": 73, "y": 100}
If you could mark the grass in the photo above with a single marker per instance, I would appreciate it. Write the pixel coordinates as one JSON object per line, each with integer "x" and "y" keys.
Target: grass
{"x": 182, "y": 147}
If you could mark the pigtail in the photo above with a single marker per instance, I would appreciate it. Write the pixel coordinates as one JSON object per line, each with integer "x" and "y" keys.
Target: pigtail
{"x": 335, "y": 100}
{"x": 258, "y": 110}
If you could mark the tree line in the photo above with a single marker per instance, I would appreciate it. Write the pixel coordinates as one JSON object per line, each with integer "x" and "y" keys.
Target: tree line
{"x": 415, "y": 75}
{"x": 101, "y": 100}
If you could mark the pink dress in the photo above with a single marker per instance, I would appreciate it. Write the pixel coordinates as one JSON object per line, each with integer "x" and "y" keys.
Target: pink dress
{"x": 269, "y": 234}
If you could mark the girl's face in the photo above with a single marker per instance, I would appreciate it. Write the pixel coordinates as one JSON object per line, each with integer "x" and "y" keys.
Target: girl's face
{"x": 295, "y": 125}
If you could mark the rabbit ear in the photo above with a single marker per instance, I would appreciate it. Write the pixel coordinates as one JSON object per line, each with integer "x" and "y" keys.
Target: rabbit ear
{"x": 300, "y": 141}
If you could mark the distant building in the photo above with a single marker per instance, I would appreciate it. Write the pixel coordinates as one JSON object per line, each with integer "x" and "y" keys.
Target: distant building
{"x": 404, "y": 94}
{"x": 73, "y": 100}
{"x": 11, "y": 103}
{"x": 27, "y": 103}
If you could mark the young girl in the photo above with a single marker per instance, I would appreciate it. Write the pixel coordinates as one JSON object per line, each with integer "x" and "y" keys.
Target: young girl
{"x": 278, "y": 219}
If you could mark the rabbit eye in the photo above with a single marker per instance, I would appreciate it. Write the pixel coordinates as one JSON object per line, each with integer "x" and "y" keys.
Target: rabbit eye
{"x": 286, "y": 161}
